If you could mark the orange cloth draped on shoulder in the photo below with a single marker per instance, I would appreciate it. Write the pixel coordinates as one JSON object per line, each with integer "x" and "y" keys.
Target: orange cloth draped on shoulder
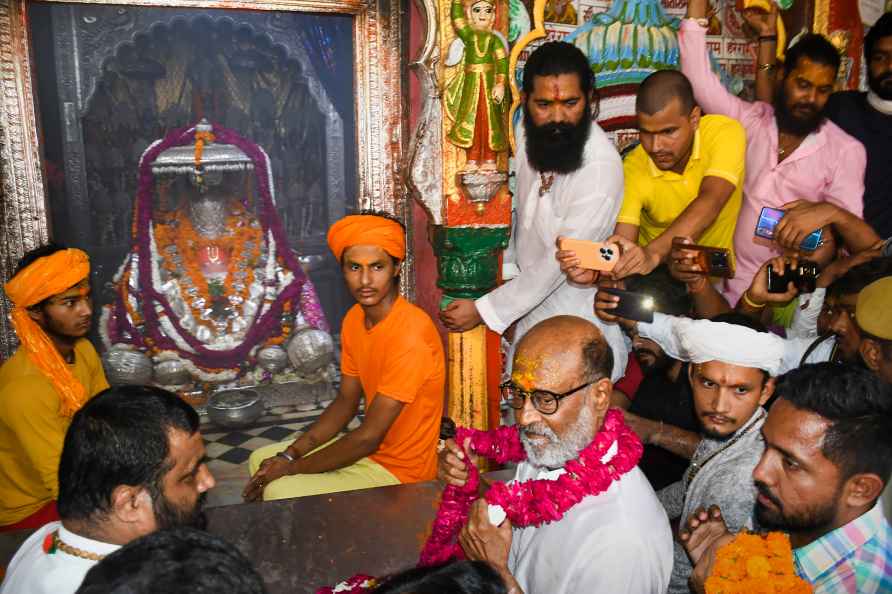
{"x": 42, "y": 279}
{"x": 367, "y": 230}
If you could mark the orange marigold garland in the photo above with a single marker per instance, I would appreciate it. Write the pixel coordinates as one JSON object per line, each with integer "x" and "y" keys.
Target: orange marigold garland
{"x": 201, "y": 138}
{"x": 756, "y": 564}
{"x": 179, "y": 232}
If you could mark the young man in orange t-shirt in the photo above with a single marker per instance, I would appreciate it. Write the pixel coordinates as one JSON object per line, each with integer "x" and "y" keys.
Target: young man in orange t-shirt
{"x": 392, "y": 356}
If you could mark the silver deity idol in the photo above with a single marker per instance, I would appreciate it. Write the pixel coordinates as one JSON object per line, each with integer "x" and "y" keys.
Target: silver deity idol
{"x": 221, "y": 283}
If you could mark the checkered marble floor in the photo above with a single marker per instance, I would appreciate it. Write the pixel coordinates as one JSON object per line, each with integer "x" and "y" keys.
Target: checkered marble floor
{"x": 234, "y": 446}
{"x": 228, "y": 450}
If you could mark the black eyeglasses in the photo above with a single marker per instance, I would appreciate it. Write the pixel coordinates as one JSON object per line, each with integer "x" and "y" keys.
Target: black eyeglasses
{"x": 544, "y": 401}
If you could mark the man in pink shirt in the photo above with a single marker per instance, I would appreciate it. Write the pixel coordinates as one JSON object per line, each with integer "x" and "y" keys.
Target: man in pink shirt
{"x": 796, "y": 159}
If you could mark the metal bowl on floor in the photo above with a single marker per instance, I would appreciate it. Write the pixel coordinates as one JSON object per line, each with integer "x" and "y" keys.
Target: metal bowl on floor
{"x": 235, "y": 408}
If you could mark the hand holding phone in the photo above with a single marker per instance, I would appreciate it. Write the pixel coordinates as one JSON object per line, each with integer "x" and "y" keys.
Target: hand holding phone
{"x": 802, "y": 273}
{"x": 766, "y": 228}
{"x": 593, "y": 255}
{"x": 710, "y": 261}
{"x": 632, "y": 306}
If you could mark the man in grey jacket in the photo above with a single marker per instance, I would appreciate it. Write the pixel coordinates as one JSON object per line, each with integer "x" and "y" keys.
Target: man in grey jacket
{"x": 733, "y": 364}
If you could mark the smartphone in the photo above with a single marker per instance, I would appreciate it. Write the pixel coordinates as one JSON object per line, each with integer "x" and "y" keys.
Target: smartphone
{"x": 804, "y": 277}
{"x": 593, "y": 255}
{"x": 767, "y": 223}
{"x": 812, "y": 242}
{"x": 713, "y": 261}
{"x": 632, "y": 306}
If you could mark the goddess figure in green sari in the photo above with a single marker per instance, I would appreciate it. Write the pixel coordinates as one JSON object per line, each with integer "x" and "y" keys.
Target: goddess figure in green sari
{"x": 476, "y": 97}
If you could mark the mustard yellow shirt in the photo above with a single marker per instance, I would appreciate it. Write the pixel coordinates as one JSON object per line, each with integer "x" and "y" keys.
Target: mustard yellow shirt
{"x": 32, "y": 431}
{"x": 653, "y": 198}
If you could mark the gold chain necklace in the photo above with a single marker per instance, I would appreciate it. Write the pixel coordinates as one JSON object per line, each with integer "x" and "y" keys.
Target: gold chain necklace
{"x": 697, "y": 467}
{"x": 781, "y": 151}
{"x": 58, "y": 543}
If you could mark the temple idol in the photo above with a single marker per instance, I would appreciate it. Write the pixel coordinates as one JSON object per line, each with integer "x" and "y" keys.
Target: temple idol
{"x": 211, "y": 292}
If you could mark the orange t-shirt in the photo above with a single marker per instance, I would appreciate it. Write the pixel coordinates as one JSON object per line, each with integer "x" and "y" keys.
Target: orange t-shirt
{"x": 401, "y": 357}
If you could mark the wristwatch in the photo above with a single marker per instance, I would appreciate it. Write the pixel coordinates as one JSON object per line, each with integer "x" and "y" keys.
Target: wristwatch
{"x": 702, "y": 21}
{"x": 286, "y": 455}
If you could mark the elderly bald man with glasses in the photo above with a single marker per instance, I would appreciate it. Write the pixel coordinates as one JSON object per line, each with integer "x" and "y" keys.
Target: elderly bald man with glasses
{"x": 617, "y": 540}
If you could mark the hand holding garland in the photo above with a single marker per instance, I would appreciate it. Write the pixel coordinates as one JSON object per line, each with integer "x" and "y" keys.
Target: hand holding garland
{"x": 702, "y": 535}
{"x": 481, "y": 541}
{"x": 614, "y": 451}
{"x": 535, "y": 501}
{"x": 452, "y": 467}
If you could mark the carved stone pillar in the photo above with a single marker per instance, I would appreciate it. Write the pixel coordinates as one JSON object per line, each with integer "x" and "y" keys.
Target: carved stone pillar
{"x": 459, "y": 173}
{"x": 22, "y": 204}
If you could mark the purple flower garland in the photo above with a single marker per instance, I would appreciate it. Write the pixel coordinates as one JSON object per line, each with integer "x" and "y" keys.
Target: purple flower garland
{"x": 299, "y": 292}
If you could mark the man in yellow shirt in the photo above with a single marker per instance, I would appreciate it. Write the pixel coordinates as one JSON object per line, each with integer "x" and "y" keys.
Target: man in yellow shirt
{"x": 684, "y": 179}
{"x": 52, "y": 374}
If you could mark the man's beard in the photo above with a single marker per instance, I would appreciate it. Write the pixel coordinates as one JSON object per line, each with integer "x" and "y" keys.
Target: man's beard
{"x": 661, "y": 362}
{"x": 881, "y": 85}
{"x": 787, "y": 121}
{"x": 168, "y": 515}
{"x": 557, "y": 147}
{"x": 559, "y": 450}
{"x": 57, "y": 330}
{"x": 712, "y": 434}
{"x": 812, "y": 519}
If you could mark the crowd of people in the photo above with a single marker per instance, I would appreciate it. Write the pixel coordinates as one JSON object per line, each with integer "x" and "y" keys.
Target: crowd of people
{"x": 756, "y": 400}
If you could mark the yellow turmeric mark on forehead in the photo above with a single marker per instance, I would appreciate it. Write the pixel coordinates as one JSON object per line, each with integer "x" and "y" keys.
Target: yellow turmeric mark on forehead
{"x": 524, "y": 373}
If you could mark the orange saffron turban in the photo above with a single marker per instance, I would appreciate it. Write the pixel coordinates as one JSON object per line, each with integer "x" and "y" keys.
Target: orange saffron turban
{"x": 42, "y": 279}
{"x": 367, "y": 230}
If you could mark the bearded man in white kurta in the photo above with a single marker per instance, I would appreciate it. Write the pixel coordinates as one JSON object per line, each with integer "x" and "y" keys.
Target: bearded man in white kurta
{"x": 569, "y": 184}
{"x": 616, "y": 540}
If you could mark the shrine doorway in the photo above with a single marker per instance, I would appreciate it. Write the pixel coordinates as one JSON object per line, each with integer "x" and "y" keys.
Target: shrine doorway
{"x": 113, "y": 79}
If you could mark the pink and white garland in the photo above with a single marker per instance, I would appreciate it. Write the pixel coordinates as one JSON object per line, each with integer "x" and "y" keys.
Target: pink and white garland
{"x": 615, "y": 451}
{"x": 532, "y": 502}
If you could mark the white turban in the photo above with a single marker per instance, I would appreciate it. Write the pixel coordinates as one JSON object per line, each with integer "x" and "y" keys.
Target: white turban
{"x": 699, "y": 341}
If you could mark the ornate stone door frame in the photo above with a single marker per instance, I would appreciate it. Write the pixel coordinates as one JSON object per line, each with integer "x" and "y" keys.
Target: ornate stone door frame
{"x": 380, "y": 33}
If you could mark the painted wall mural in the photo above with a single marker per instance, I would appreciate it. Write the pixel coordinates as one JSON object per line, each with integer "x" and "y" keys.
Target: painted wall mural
{"x": 626, "y": 40}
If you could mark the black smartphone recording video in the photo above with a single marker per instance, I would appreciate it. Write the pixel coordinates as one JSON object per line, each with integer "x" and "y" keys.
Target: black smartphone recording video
{"x": 632, "y": 306}
{"x": 804, "y": 277}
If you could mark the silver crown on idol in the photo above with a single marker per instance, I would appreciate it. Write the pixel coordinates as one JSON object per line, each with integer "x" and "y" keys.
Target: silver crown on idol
{"x": 216, "y": 158}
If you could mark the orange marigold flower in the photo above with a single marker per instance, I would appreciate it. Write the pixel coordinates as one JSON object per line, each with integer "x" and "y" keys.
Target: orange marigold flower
{"x": 756, "y": 564}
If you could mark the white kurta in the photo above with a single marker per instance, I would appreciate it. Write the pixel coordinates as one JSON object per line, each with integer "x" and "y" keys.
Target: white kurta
{"x": 618, "y": 542}
{"x": 582, "y": 205}
{"x": 33, "y": 571}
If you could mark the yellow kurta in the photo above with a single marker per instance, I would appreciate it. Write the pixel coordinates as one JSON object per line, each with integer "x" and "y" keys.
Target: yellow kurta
{"x": 32, "y": 430}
